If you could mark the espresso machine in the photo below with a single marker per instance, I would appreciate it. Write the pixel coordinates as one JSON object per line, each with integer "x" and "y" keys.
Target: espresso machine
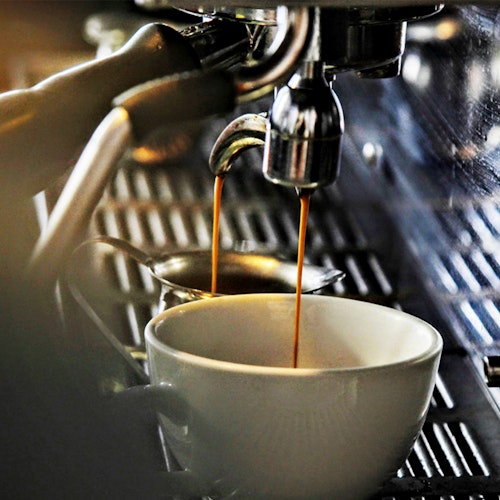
{"x": 114, "y": 120}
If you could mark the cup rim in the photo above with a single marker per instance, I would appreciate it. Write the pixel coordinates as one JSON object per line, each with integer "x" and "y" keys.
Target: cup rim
{"x": 434, "y": 349}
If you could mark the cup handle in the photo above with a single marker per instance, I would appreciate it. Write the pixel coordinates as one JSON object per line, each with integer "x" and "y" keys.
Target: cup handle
{"x": 162, "y": 398}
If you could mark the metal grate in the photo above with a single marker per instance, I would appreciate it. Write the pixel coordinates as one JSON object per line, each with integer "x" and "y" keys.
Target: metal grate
{"x": 466, "y": 276}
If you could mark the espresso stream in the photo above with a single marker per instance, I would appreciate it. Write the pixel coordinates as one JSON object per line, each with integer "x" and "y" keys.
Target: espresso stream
{"x": 219, "y": 183}
{"x": 305, "y": 198}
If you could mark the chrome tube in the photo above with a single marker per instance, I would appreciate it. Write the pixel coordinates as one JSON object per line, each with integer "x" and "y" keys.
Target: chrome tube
{"x": 294, "y": 30}
{"x": 245, "y": 132}
{"x": 80, "y": 196}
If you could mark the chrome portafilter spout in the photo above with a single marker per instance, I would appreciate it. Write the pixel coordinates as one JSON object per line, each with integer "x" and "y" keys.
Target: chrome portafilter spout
{"x": 304, "y": 131}
{"x": 301, "y": 135}
{"x": 303, "y": 128}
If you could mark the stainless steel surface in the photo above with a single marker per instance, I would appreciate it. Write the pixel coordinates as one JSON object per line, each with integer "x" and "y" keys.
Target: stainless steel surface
{"x": 283, "y": 55}
{"x": 80, "y": 196}
{"x": 245, "y": 132}
{"x": 239, "y": 272}
{"x": 304, "y": 135}
{"x": 265, "y": 4}
{"x": 186, "y": 275}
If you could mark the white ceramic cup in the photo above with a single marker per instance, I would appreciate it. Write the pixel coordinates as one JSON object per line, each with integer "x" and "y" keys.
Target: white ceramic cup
{"x": 244, "y": 423}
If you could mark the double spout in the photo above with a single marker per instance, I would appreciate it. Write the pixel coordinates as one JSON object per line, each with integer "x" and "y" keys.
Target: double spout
{"x": 301, "y": 134}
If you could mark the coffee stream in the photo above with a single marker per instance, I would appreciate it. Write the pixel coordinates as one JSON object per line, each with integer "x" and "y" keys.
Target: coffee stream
{"x": 219, "y": 182}
{"x": 305, "y": 198}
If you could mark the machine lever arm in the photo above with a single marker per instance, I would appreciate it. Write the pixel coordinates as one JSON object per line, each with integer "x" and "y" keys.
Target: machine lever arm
{"x": 44, "y": 128}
